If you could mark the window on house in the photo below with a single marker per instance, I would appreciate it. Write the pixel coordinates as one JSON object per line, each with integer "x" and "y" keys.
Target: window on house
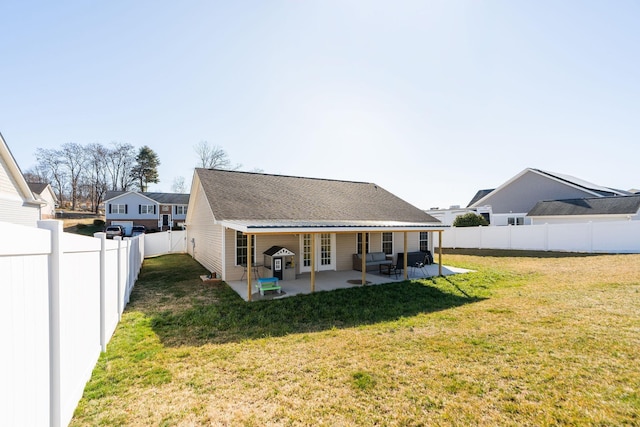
{"x": 359, "y": 243}
{"x": 515, "y": 220}
{"x": 424, "y": 241}
{"x": 241, "y": 248}
{"x": 147, "y": 209}
{"x": 181, "y": 210}
{"x": 117, "y": 209}
{"x": 387, "y": 243}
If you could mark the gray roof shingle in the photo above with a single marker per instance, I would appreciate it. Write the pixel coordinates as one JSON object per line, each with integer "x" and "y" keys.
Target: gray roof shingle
{"x": 236, "y": 195}
{"x": 618, "y": 205}
{"x": 37, "y": 187}
{"x": 162, "y": 198}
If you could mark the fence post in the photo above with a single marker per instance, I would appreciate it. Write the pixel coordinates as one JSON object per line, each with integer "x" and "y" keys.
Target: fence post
{"x": 546, "y": 236}
{"x": 103, "y": 292}
{"x": 55, "y": 409}
{"x": 119, "y": 269}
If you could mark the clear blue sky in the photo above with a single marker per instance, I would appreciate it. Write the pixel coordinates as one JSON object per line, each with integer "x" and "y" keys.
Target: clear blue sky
{"x": 432, "y": 100}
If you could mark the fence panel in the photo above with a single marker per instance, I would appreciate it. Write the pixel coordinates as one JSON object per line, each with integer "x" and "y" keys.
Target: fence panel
{"x": 611, "y": 237}
{"x": 500, "y": 239}
{"x": 24, "y": 315}
{"x": 63, "y": 295}
{"x": 616, "y": 237}
{"x": 165, "y": 242}
{"x": 79, "y": 314}
{"x": 529, "y": 237}
{"x": 112, "y": 296}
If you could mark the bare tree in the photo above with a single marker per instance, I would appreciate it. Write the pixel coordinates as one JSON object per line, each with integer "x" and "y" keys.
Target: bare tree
{"x": 120, "y": 161}
{"x": 97, "y": 173}
{"x": 36, "y": 174}
{"x": 73, "y": 159}
{"x": 212, "y": 157}
{"x": 178, "y": 185}
{"x": 51, "y": 166}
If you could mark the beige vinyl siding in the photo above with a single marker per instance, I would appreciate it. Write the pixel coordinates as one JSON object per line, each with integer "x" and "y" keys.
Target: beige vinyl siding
{"x": 7, "y": 185}
{"x": 263, "y": 242}
{"x": 345, "y": 248}
{"x": 12, "y": 207}
{"x": 204, "y": 238}
{"x": 48, "y": 211}
{"x": 233, "y": 271}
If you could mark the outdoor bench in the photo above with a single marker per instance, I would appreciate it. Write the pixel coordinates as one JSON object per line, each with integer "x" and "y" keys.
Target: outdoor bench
{"x": 373, "y": 261}
{"x": 268, "y": 284}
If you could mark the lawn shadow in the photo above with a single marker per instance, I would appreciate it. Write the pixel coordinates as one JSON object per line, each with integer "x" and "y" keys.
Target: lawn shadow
{"x": 231, "y": 319}
{"x": 512, "y": 253}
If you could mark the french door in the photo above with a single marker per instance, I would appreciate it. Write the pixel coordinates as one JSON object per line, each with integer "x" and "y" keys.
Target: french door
{"x": 325, "y": 252}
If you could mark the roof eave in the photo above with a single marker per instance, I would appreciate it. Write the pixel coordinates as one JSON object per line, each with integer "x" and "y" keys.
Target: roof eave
{"x": 297, "y": 229}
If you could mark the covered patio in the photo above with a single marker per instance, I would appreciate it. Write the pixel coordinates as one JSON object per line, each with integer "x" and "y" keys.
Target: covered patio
{"x": 332, "y": 280}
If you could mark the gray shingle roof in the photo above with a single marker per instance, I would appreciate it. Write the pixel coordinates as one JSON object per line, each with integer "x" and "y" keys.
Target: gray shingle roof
{"x": 163, "y": 198}
{"x": 37, "y": 187}
{"x": 258, "y": 197}
{"x": 479, "y": 195}
{"x": 599, "y": 189}
{"x": 619, "y": 205}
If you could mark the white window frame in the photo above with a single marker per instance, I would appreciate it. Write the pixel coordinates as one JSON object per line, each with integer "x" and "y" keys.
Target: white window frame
{"x": 382, "y": 242}
{"x": 253, "y": 240}
{"x": 515, "y": 220}
{"x": 424, "y": 241}
{"x": 118, "y": 209}
{"x": 359, "y": 243}
{"x": 146, "y": 209}
{"x": 181, "y": 210}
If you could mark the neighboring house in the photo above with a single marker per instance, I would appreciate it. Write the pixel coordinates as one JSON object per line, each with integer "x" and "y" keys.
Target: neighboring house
{"x": 595, "y": 209}
{"x": 156, "y": 211}
{"x": 448, "y": 216}
{"x": 510, "y": 203}
{"x": 45, "y": 193}
{"x": 18, "y": 204}
{"x": 230, "y": 212}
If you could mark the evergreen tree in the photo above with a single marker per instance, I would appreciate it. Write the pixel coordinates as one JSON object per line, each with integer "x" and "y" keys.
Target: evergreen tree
{"x": 146, "y": 169}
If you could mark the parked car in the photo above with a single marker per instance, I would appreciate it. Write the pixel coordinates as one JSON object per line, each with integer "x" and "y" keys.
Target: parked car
{"x": 138, "y": 229}
{"x": 114, "y": 230}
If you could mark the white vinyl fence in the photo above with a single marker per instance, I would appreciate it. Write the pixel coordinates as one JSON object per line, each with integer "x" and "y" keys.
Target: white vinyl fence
{"x": 166, "y": 242}
{"x": 596, "y": 237}
{"x": 62, "y": 298}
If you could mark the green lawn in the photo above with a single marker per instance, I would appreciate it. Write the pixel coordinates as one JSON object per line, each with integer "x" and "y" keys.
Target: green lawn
{"x": 533, "y": 339}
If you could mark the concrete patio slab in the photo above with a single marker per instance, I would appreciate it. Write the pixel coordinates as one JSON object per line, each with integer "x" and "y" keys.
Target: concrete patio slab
{"x": 331, "y": 280}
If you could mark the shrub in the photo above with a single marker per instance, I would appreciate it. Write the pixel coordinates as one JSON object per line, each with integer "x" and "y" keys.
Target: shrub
{"x": 98, "y": 222}
{"x": 470, "y": 220}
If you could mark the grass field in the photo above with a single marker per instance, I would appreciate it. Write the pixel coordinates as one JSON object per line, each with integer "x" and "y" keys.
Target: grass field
{"x": 533, "y": 339}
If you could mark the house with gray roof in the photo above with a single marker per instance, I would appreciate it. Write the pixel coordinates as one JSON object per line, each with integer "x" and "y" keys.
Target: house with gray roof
{"x": 234, "y": 216}
{"x": 18, "y": 204}
{"x": 594, "y": 209}
{"x": 44, "y": 192}
{"x": 156, "y": 211}
{"x": 510, "y": 202}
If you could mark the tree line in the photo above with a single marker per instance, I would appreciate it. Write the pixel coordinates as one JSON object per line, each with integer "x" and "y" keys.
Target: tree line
{"x": 86, "y": 172}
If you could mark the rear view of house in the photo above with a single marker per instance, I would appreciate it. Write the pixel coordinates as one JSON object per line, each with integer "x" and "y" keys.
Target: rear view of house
{"x": 318, "y": 223}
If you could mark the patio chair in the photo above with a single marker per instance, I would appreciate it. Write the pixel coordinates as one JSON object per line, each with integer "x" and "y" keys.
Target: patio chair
{"x": 422, "y": 265}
